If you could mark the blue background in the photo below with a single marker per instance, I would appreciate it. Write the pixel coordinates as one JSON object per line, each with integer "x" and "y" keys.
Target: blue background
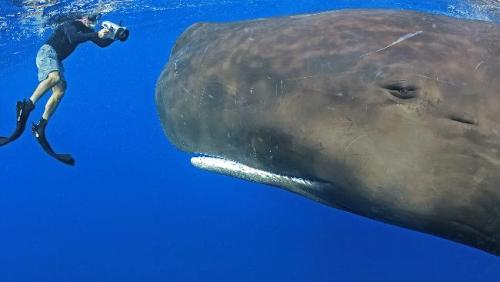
{"x": 133, "y": 208}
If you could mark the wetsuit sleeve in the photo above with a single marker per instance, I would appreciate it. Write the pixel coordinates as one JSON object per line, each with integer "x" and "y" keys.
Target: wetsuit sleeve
{"x": 78, "y": 37}
{"x": 102, "y": 42}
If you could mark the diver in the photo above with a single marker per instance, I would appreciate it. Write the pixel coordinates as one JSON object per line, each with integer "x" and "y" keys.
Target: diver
{"x": 49, "y": 58}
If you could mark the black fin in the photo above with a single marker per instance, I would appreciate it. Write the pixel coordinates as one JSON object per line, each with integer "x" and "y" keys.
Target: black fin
{"x": 39, "y": 133}
{"x": 4, "y": 141}
{"x": 23, "y": 110}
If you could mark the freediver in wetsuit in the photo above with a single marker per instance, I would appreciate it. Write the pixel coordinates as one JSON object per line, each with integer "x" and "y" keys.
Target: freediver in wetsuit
{"x": 49, "y": 59}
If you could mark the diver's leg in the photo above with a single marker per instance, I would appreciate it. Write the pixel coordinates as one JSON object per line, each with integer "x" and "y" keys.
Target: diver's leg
{"x": 53, "y": 79}
{"x": 54, "y": 100}
{"x": 26, "y": 106}
{"x": 50, "y": 71}
{"x": 38, "y": 129}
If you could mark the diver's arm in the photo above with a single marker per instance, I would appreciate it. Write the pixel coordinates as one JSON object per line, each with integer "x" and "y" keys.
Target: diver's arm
{"x": 102, "y": 42}
{"x": 79, "y": 37}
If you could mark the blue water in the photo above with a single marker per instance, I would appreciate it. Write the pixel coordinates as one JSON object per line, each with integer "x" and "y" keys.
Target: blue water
{"x": 133, "y": 208}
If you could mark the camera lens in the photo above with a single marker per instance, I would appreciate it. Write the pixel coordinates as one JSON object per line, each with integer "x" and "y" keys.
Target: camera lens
{"x": 122, "y": 34}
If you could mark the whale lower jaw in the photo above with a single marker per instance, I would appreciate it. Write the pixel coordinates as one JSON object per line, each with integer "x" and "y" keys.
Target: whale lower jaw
{"x": 298, "y": 185}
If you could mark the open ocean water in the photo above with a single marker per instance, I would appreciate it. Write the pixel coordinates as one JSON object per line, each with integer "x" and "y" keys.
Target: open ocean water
{"x": 134, "y": 209}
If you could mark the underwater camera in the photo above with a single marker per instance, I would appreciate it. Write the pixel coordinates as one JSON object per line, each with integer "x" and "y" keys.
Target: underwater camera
{"x": 116, "y": 31}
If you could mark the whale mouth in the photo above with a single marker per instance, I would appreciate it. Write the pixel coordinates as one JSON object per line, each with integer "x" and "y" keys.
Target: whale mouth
{"x": 235, "y": 169}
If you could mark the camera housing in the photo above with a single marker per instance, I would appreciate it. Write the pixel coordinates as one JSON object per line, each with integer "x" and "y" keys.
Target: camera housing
{"x": 116, "y": 31}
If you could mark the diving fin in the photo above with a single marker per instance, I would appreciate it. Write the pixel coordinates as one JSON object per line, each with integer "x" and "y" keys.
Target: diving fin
{"x": 23, "y": 110}
{"x": 38, "y": 130}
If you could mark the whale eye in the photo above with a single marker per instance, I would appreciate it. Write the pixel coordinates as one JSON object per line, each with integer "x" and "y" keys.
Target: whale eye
{"x": 402, "y": 90}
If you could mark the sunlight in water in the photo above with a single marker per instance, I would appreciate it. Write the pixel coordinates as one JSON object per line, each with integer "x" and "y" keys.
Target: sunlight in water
{"x": 26, "y": 18}
{"x": 21, "y": 19}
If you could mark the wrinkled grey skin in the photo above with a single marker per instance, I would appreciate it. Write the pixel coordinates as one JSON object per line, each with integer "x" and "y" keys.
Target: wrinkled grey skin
{"x": 407, "y": 134}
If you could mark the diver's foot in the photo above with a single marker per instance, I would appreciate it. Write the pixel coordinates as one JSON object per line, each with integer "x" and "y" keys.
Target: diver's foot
{"x": 38, "y": 130}
{"x": 23, "y": 110}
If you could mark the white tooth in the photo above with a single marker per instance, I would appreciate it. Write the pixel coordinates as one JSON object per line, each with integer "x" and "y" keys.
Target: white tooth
{"x": 235, "y": 169}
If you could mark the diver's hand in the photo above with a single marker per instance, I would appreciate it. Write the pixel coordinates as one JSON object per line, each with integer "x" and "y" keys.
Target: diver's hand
{"x": 103, "y": 33}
